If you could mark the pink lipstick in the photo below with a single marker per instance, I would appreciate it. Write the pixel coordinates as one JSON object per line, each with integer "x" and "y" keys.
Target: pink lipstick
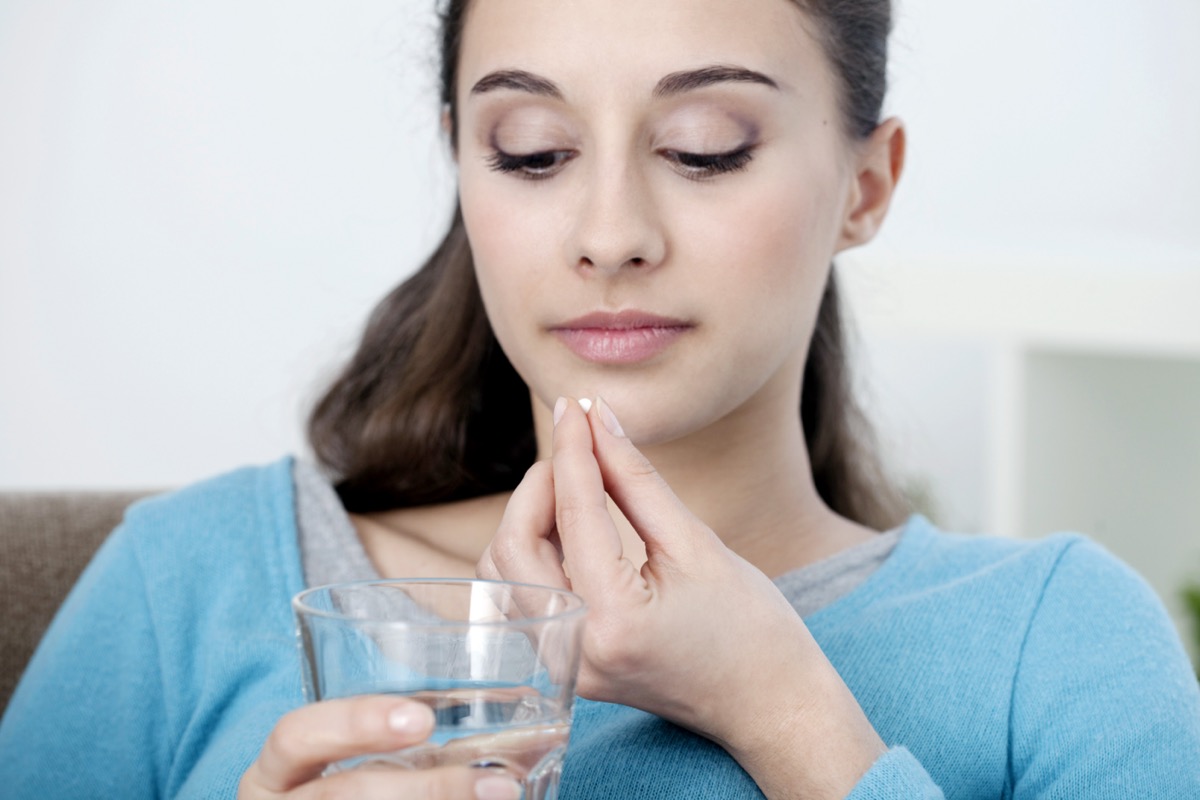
{"x": 625, "y": 337}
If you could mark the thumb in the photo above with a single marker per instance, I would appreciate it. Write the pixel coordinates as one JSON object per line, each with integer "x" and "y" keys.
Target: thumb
{"x": 660, "y": 518}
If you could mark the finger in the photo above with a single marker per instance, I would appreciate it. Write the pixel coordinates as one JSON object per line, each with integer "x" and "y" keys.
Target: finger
{"x": 382, "y": 783}
{"x": 310, "y": 738}
{"x": 589, "y": 537}
{"x": 485, "y": 568}
{"x": 660, "y": 518}
{"x": 525, "y": 547}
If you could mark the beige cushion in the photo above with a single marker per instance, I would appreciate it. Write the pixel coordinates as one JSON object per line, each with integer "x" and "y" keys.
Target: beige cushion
{"x": 46, "y": 539}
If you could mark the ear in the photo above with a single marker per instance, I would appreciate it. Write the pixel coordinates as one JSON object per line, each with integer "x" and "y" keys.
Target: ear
{"x": 878, "y": 164}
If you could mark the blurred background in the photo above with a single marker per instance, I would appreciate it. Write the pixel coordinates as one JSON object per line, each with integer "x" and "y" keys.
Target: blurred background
{"x": 201, "y": 201}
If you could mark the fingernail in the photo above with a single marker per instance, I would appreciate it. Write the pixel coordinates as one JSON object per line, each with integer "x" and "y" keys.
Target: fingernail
{"x": 496, "y": 787}
{"x": 408, "y": 719}
{"x": 560, "y": 406}
{"x": 586, "y": 405}
{"x": 609, "y": 418}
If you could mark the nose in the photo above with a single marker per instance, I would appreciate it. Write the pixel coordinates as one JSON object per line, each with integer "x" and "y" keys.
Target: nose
{"x": 616, "y": 226}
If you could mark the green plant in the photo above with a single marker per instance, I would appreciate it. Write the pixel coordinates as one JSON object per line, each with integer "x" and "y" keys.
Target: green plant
{"x": 1191, "y": 602}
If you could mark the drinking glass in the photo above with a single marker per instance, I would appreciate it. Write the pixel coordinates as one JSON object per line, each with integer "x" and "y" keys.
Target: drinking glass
{"x": 495, "y": 661}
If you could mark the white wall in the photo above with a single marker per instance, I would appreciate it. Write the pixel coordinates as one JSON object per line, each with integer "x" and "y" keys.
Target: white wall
{"x": 1049, "y": 126}
{"x": 200, "y": 201}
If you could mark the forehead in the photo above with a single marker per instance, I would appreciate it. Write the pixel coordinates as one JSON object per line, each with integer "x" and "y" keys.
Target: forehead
{"x": 621, "y": 46}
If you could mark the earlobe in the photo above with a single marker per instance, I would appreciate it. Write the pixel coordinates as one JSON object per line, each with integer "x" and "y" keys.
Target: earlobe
{"x": 879, "y": 165}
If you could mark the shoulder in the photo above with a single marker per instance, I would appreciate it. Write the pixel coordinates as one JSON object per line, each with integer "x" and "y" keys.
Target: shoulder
{"x": 207, "y": 550}
{"x": 928, "y": 558}
{"x": 1065, "y": 574}
{"x": 218, "y": 563}
{"x": 187, "y": 643}
{"x": 948, "y": 550}
{"x": 1075, "y": 619}
{"x": 240, "y": 498}
{"x": 1064, "y": 564}
{"x": 245, "y": 513}
{"x": 967, "y": 595}
{"x": 1045, "y": 661}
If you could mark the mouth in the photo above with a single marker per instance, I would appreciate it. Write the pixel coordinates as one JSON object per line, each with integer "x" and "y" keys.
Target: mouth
{"x": 624, "y": 337}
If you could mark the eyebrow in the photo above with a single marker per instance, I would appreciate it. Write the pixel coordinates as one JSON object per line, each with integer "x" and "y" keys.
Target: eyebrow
{"x": 518, "y": 80}
{"x": 690, "y": 80}
{"x": 676, "y": 83}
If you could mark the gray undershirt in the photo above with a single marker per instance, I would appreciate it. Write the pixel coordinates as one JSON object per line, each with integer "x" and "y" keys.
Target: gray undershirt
{"x": 331, "y": 551}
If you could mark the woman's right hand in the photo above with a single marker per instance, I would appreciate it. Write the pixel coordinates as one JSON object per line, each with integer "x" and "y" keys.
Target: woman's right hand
{"x": 312, "y": 737}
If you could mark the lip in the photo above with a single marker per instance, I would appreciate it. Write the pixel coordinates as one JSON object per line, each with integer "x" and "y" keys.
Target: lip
{"x": 622, "y": 337}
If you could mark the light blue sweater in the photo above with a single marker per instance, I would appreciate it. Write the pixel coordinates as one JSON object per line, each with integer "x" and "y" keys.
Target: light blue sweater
{"x": 993, "y": 668}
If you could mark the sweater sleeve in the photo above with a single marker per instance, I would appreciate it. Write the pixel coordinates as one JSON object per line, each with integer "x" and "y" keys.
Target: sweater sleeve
{"x": 87, "y": 719}
{"x": 896, "y": 773}
{"x": 1105, "y": 704}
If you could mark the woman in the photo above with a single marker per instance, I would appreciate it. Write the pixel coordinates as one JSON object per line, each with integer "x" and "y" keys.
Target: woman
{"x": 651, "y": 195}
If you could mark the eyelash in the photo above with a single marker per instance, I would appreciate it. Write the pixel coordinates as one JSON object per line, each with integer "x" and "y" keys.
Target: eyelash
{"x": 693, "y": 166}
{"x": 699, "y": 166}
{"x": 533, "y": 166}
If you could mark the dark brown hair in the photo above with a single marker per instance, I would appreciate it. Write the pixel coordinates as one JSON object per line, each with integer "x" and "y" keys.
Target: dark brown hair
{"x": 429, "y": 409}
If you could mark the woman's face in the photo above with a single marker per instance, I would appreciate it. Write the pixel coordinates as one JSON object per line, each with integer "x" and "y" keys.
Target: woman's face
{"x": 653, "y": 192}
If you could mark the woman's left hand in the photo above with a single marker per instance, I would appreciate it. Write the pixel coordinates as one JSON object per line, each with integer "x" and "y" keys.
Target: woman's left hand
{"x": 697, "y": 635}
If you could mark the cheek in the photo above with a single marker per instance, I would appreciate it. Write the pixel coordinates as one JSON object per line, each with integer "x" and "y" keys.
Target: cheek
{"x": 768, "y": 247}
{"x": 506, "y": 247}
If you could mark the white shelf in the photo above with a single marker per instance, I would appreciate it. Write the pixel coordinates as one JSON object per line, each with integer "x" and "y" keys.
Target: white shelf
{"x": 1087, "y": 388}
{"x": 1147, "y": 309}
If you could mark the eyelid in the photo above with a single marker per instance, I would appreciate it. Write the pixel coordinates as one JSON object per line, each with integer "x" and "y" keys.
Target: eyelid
{"x": 526, "y": 125}
{"x": 701, "y": 126}
{"x": 530, "y": 166}
{"x": 545, "y": 164}
{"x": 706, "y": 166}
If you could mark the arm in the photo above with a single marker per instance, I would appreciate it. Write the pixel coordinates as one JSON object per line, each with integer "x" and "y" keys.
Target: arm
{"x": 1105, "y": 704}
{"x": 88, "y": 719}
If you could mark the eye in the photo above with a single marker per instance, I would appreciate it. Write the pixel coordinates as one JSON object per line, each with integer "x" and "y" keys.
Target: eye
{"x": 531, "y": 166}
{"x": 699, "y": 166}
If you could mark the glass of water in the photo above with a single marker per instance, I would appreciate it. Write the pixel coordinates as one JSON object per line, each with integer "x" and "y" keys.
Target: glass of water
{"x": 495, "y": 661}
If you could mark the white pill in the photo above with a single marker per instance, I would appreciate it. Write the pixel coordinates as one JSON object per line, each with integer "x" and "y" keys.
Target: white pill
{"x": 586, "y": 405}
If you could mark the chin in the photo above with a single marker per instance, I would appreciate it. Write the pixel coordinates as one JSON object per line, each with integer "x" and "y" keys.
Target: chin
{"x": 657, "y": 421}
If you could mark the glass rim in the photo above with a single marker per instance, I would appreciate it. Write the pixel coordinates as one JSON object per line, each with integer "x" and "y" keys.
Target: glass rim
{"x": 577, "y": 605}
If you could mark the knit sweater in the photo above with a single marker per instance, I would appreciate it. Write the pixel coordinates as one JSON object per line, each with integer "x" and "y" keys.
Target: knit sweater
{"x": 991, "y": 667}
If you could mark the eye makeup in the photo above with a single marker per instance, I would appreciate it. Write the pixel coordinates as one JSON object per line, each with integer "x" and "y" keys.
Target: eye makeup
{"x": 699, "y": 139}
{"x": 532, "y": 166}
{"x": 700, "y": 166}
{"x": 703, "y": 141}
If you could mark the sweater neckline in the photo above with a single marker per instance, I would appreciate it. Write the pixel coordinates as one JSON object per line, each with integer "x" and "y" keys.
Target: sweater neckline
{"x": 915, "y": 538}
{"x": 330, "y": 550}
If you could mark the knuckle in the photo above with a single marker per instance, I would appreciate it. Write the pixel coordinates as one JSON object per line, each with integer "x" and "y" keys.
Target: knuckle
{"x": 571, "y": 512}
{"x": 486, "y": 569}
{"x": 505, "y": 553}
{"x": 540, "y": 470}
{"x": 638, "y": 466}
{"x": 537, "y": 478}
{"x": 609, "y": 649}
{"x": 288, "y": 741}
